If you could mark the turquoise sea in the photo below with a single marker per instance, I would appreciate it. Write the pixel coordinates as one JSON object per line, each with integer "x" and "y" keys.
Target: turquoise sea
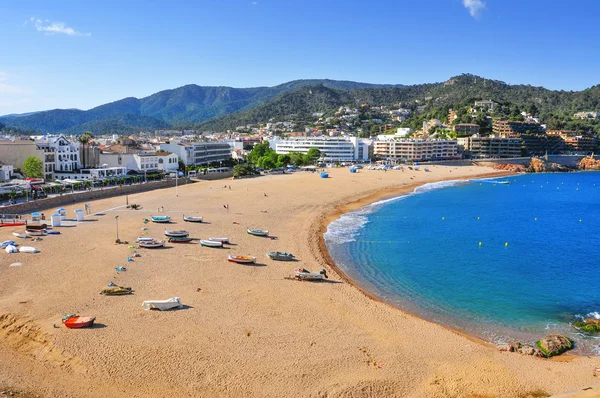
{"x": 502, "y": 262}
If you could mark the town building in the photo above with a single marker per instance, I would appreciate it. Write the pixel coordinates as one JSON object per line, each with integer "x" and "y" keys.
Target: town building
{"x": 333, "y": 149}
{"x": 466, "y": 129}
{"x": 16, "y": 151}
{"x": 6, "y": 172}
{"x": 60, "y": 155}
{"x": 199, "y": 153}
{"x": 505, "y": 127}
{"x": 141, "y": 162}
{"x": 489, "y": 147}
{"x": 415, "y": 149}
{"x": 490, "y": 105}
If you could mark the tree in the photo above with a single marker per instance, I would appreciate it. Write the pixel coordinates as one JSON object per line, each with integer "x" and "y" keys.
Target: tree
{"x": 283, "y": 160}
{"x": 85, "y": 139}
{"x": 33, "y": 167}
{"x": 312, "y": 155}
{"x": 259, "y": 151}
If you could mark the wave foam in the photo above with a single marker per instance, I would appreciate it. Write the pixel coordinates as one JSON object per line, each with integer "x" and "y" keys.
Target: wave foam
{"x": 432, "y": 186}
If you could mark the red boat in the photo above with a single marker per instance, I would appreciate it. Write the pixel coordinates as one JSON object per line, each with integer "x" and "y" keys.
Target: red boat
{"x": 11, "y": 224}
{"x": 76, "y": 321}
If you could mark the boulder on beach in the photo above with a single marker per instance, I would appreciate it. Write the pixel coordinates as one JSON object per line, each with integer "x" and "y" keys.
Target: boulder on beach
{"x": 589, "y": 325}
{"x": 554, "y": 345}
{"x": 589, "y": 163}
{"x": 523, "y": 349}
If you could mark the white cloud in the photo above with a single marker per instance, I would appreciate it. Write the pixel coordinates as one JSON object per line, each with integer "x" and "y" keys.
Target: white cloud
{"x": 51, "y": 28}
{"x": 474, "y": 6}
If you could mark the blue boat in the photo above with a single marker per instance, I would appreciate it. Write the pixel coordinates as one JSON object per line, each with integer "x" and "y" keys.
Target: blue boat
{"x": 324, "y": 175}
{"x": 161, "y": 219}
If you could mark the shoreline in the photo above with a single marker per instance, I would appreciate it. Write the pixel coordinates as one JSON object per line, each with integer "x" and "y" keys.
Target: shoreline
{"x": 389, "y": 193}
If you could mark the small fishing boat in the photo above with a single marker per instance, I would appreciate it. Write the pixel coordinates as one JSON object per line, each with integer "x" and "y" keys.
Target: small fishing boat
{"x": 161, "y": 219}
{"x": 28, "y": 249}
{"x": 116, "y": 291}
{"x": 162, "y": 305}
{"x": 305, "y": 275}
{"x": 78, "y": 322}
{"x": 222, "y": 240}
{"x": 41, "y": 232}
{"x": 178, "y": 234}
{"x": 153, "y": 244}
{"x": 180, "y": 239}
{"x": 11, "y": 224}
{"x": 20, "y": 234}
{"x": 142, "y": 239}
{"x": 241, "y": 259}
{"x": 192, "y": 219}
{"x": 491, "y": 182}
{"x": 281, "y": 256}
{"x": 36, "y": 226}
{"x": 211, "y": 243}
{"x": 258, "y": 232}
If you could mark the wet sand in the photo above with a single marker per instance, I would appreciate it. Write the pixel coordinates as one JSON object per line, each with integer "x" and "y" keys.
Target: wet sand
{"x": 245, "y": 330}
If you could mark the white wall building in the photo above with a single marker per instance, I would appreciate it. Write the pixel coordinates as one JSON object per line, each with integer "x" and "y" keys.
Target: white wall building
{"x": 415, "y": 149}
{"x": 334, "y": 149}
{"x": 141, "y": 162}
{"x": 199, "y": 153}
{"x": 6, "y": 171}
{"x": 60, "y": 155}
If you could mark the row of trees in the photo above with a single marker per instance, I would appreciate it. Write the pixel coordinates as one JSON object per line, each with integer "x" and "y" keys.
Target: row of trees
{"x": 264, "y": 157}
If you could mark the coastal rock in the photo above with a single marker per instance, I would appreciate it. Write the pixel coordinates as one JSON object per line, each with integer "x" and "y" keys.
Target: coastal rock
{"x": 589, "y": 163}
{"x": 589, "y": 325}
{"x": 523, "y": 349}
{"x": 538, "y": 165}
{"x": 554, "y": 345}
{"x": 515, "y": 168}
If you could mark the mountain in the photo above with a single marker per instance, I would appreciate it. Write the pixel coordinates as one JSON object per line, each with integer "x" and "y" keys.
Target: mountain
{"x": 219, "y": 108}
{"x": 169, "y": 108}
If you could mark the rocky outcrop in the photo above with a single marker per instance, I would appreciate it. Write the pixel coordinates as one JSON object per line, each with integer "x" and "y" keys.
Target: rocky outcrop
{"x": 589, "y": 163}
{"x": 554, "y": 345}
{"x": 523, "y": 349}
{"x": 515, "y": 168}
{"x": 589, "y": 325}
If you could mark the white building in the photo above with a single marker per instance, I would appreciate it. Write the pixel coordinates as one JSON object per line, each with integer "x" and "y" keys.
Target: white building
{"x": 334, "y": 149}
{"x": 60, "y": 155}
{"x": 6, "y": 171}
{"x": 199, "y": 153}
{"x": 415, "y": 149}
{"x": 141, "y": 162}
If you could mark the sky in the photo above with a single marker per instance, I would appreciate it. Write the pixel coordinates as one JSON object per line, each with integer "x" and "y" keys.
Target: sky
{"x": 81, "y": 54}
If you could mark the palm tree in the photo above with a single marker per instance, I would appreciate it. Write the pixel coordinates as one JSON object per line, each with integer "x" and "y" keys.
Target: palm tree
{"x": 84, "y": 140}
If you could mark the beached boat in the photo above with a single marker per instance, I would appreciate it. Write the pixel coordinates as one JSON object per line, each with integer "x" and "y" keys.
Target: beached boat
{"x": 20, "y": 234}
{"x": 180, "y": 239}
{"x": 258, "y": 232}
{"x": 178, "y": 234}
{"x": 8, "y": 243}
{"x": 36, "y": 226}
{"x": 281, "y": 256}
{"x": 36, "y": 232}
{"x": 153, "y": 244}
{"x": 11, "y": 224}
{"x": 28, "y": 249}
{"x": 305, "y": 275}
{"x": 162, "y": 305}
{"x": 161, "y": 219}
{"x": 116, "y": 291}
{"x": 241, "y": 259}
{"x": 324, "y": 175}
{"x": 211, "y": 243}
{"x": 77, "y": 322}
{"x": 192, "y": 219}
{"x": 142, "y": 239}
{"x": 222, "y": 240}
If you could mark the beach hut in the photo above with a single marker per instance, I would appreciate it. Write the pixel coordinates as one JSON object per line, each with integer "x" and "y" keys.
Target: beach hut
{"x": 55, "y": 220}
{"x": 62, "y": 212}
{"x": 36, "y": 217}
{"x": 79, "y": 215}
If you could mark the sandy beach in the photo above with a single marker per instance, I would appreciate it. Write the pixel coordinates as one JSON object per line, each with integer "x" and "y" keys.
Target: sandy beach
{"x": 245, "y": 331}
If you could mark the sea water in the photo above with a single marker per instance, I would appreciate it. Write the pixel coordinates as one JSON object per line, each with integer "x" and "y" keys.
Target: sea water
{"x": 503, "y": 262}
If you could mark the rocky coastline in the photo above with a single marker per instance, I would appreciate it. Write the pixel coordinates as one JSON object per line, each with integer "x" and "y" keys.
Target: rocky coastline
{"x": 540, "y": 165}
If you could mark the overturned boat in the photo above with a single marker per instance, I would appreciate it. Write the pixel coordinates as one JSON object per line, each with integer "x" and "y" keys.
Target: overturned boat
{"x": 281, "y": 256}
{"x": 178, "y": 234}
{"x": 211, "y": 243}
{"x": 153, "y": 244}
{"x": 192, "y": 219}
{"x": 303, "y": 274}
{"x": 222, "y": 240}
{"x": 162, "y": 305}
{"x": 180, "y": 239}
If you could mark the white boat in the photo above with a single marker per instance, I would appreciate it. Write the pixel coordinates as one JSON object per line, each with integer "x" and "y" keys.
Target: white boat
{"x": 241, "y": 259}
{"x": 258, "y": 232}
{"x": 142, "y": 239}
{"x": 192, "y": 219}
{"x": 305, "y": 275}
{"x": 161, "y": 219}
{"x": 28, "y": 249}
{"x": 41, "y": 232}
{"x": 281, "y": 256}
{"x": 20, "y": 234}
{"x": 162, "y": 305}
{"x": 178, "y": 234}
{"x": 222, "y": 240}
{"x": 153, "y": 244}
{"x": 211, "y": 243}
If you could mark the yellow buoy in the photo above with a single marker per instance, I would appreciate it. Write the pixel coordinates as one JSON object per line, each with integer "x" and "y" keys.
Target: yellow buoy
{"x": 442, "y": 218}
{"x": 506, "y": 244}
{"x": 480, "y": 243}
{"x": 535, "y": 219}
{"x": 579, "y": 220}
{"x": 479, "y": 218}
{"x": 577, "y": 189}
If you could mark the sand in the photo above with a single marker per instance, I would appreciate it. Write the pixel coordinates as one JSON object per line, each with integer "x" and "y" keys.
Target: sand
{"x": 245, "y": 330}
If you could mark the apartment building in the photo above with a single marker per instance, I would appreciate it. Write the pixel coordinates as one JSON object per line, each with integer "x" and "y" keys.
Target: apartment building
{"x": 415, "y": 149}
{"x": 466, "y": 129}
{"x": 334, "y": 149}
{"x": 505, "y": 127}
{"x": 199, "y": 153}
{"x": 489, "y": 147}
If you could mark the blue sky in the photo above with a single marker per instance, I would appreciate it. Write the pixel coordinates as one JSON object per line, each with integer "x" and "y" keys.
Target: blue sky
{"x": 80, "y": 54}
